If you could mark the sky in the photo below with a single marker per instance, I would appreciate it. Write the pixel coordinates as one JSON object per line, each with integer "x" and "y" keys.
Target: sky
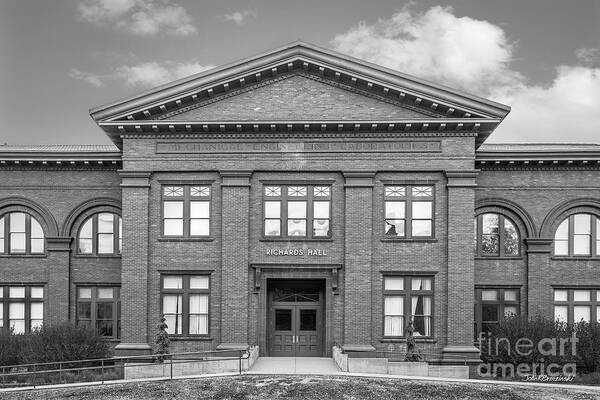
{"x": 60, "y": 58}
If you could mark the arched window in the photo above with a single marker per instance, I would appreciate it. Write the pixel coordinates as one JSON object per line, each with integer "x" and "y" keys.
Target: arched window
{"x": 497, "y": 236}
{"x": 100, "y": 234}
{"x": 578, "y": 235}
{"x": 21, "y": 233}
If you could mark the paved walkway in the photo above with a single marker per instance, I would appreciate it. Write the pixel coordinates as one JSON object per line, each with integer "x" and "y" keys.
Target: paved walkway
{"x": 294, "y": 365}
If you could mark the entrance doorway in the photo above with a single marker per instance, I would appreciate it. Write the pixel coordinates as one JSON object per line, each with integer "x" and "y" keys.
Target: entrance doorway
{"x": 295, "y": 318}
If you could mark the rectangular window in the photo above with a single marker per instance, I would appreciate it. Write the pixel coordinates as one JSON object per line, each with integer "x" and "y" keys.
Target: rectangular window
{"x": 297, "y": 211}
{"x": 407, "y": 298}
{"x": 575, "y": 305}
{"x": 99, "y": 308}
{"x": 494, "y": 304}
{"x": 21, "y": 308}
{"x": 185, "y": 303}
{"x": 186, "y": 210}
{"x": 408, "y": 211}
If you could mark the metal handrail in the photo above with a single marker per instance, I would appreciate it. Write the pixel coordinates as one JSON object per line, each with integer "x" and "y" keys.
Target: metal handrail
{"x": 117, "y": 363}
{"x": 116, "y": 358}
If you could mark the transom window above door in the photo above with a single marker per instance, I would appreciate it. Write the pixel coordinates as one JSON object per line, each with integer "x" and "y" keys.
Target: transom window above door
{"x": 297, "y": 211}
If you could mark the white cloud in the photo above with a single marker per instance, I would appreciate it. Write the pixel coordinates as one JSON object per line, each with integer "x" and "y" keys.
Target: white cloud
{"x": 143, "y": 75}
{"x": 94, "y": 80}
{"x": 238, "y": 17}
{"x": 138, "y": 17}
{"x": 462, "y": 52}
{"x": 476, "y": 56}
{"x": 589, "y": 56}
{"x": 566, "y": 110}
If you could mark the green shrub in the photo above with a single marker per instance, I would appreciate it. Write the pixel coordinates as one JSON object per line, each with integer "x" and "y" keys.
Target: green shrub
{"x": 62, "y": 342}
{"x": 513, "y": 328}
{"x": 9, "y": 348}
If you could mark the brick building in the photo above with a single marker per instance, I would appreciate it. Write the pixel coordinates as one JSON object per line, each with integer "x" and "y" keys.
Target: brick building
{"x": 296, "y": 200}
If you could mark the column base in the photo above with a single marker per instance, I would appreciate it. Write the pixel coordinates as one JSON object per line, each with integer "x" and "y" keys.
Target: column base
{"x": 133, "y": 349}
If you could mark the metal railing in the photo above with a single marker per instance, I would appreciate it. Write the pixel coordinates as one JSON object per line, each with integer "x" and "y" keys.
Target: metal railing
{"x": 102, "y": 370}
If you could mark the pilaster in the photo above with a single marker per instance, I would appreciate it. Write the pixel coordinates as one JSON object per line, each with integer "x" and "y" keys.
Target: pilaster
{"x": 461, "y": 267}
{"x": 235, "y": 188}
{"x": 58, "y": 250}
{"x": 539, "y": 292}
{"x": 358, "y": 260}
{"x": 135, "y": 187}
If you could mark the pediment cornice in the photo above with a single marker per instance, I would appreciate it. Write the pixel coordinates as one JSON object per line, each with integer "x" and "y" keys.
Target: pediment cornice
{"x": 434, "y": 101}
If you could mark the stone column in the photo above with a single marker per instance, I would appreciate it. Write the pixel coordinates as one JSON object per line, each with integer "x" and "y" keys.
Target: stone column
{"x": 134, "y": 264}
{"x": 358, "y": 261}
{"x": 461, "y": 267}
{"x": 235, "y": 193}
{"x": 539, "y": 291}
{"x": 58, "y": 249}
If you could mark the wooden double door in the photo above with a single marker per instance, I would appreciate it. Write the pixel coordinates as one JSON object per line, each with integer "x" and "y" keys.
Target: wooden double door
{"x": 295, "y": 321}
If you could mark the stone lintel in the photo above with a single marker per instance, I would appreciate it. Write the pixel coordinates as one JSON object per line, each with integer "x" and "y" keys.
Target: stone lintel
{"x": 359, "y": 179}
{"x": 461, "y": 178}
{"x": 135, "y": 178}
{"x": 235, "y": 178}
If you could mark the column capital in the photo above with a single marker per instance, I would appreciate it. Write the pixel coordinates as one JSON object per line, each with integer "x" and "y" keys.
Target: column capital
{"x": 539, "y": 245}
{"x": 359, "y": 178}
{"x": 461, "y": 178}
{"x": 58, "y": 243}
{"x": 135, "y": 178}
{"x": 235, "y": 178}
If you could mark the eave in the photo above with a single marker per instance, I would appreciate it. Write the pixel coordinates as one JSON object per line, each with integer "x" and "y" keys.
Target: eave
{"x": 63, "y": 159}
{"x": 525, "y": 159}
{"x": 479, "y": 127}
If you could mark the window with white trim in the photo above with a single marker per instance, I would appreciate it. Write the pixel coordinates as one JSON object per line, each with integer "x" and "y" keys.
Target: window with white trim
{"x": 186, "y": 210}
{"x": 21, "y": 233}
{"x": 101, "y": 234}
{"x": 297, "y": 211}
{"x": 21, "y": 308}
{"x": 494, "y": 304}
{"x": 408, "y": 211}
{"x": 407, "y": 298}
{"x": 497, "y": 236}
{"x": 578, "y": 235}
{"x": 575, "y": 305}
{"x": 185, "y": 303}
{"x": 99, "y": 308}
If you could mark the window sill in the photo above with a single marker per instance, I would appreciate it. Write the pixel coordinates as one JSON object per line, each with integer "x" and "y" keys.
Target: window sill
{"x": 575, "y": 258}
{"x": 196, "y": 338}
{"x": 20, "y": 255}
{"x": 410, "y": 240}
{"x": 111, "y": 340}
{"x": 403, "y": 340}
{"x": 185, "y": 239}
{"x": 295, "y": 240}
{"x": 498, "y": 258}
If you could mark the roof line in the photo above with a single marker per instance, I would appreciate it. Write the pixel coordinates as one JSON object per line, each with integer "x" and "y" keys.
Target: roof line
{"x": 295, "y": 49}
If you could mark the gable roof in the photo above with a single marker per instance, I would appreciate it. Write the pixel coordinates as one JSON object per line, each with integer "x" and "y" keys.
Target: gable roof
{"x": 438, "y": 107}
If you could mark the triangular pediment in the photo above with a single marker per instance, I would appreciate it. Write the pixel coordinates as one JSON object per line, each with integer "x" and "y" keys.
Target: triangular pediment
{"x": 297, "y": 97}
{"x": 299, "y": 86}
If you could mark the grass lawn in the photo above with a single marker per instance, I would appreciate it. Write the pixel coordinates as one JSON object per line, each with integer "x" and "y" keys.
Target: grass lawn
{"x": 257, "y": 387}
